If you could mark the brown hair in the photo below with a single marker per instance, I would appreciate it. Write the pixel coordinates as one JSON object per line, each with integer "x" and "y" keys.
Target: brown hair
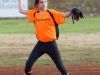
{"x": 36, "y": 2}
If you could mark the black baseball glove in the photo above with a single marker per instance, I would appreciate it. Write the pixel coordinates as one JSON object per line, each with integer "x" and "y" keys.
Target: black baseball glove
{"x": 76, "y": 14}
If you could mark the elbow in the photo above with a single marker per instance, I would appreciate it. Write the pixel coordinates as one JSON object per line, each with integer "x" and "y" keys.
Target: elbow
{"x": 23, "y": 11}
{"x": 20, "y": 11}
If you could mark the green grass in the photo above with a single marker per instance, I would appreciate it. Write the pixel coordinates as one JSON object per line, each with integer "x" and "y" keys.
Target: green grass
{"x": 16, "y": 26}
{"x": 22, "y": 26}
{"x": 81, "y": 56}
{"x": 86, "y": 25}
{"x": 11, "y": 61}
{"x": 70, "y": 57}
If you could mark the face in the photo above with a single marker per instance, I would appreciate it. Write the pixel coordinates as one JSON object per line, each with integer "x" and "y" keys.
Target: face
{"x": 42, "y": 5}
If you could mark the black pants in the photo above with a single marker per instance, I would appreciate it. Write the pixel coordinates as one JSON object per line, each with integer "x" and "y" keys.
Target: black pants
{"x": 52, "y": 50}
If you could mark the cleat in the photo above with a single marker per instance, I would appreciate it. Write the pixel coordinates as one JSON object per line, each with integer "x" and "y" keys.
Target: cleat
{"x": 29, "y": 73}
{"x": 67, "y": 74}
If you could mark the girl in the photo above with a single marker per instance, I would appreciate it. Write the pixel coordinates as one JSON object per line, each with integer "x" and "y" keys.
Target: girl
{"x": 45, "y": 25}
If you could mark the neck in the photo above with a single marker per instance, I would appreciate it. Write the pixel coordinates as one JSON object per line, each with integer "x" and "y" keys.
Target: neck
{"x": 42, "y": 10}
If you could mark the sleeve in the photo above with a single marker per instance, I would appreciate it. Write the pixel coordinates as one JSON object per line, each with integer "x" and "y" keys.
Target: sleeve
{"x": 58, "y": 17}
{"x": 30, "y": 15}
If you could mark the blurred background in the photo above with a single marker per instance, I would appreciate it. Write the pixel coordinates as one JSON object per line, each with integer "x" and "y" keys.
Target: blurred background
{"x": 90, "y": 8}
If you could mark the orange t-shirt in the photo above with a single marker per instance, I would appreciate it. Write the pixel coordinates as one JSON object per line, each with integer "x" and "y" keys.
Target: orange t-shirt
{"x": 44, "y": 24}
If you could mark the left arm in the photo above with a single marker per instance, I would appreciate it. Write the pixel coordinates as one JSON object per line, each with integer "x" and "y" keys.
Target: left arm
{"x": 66, "y": 14}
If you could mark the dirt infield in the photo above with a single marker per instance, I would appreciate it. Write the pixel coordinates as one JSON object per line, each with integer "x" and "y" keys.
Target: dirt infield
{"x": 52, "y": 70}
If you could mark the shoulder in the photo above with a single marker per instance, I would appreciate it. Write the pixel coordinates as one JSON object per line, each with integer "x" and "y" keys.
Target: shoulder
{"x": 32, "y": 10}
{"x": 54, "y": 11}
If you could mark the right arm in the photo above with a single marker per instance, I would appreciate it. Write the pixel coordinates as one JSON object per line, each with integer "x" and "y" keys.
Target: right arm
{"x": 21, "y": 10}
{"x": 66, "y": 14}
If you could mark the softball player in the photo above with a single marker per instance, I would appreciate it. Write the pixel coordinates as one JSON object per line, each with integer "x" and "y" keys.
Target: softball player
{"x": 46, "y": 22}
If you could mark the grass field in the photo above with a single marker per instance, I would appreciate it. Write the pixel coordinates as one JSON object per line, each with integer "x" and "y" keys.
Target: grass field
{"x": 79, "y": 43}
{"x": 22, "y": 26}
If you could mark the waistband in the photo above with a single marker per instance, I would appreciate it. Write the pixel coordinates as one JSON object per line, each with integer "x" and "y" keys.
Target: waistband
{"x": 47, "y": 42}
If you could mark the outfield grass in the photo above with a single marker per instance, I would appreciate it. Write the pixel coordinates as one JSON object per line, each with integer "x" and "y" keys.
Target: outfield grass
{"x": 86, "y": 25}
{"x": 15, "y": 26}
{"x": 11, "y": 61}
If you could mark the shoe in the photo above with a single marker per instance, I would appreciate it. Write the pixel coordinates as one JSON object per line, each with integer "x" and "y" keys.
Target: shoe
{"x": 67, "y": 74}
{"x": 29, "y": 73}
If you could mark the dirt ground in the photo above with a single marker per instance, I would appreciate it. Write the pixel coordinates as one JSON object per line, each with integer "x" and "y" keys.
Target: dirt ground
{"x": 52, "y": 70}
{"x": 9, "y": 43}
